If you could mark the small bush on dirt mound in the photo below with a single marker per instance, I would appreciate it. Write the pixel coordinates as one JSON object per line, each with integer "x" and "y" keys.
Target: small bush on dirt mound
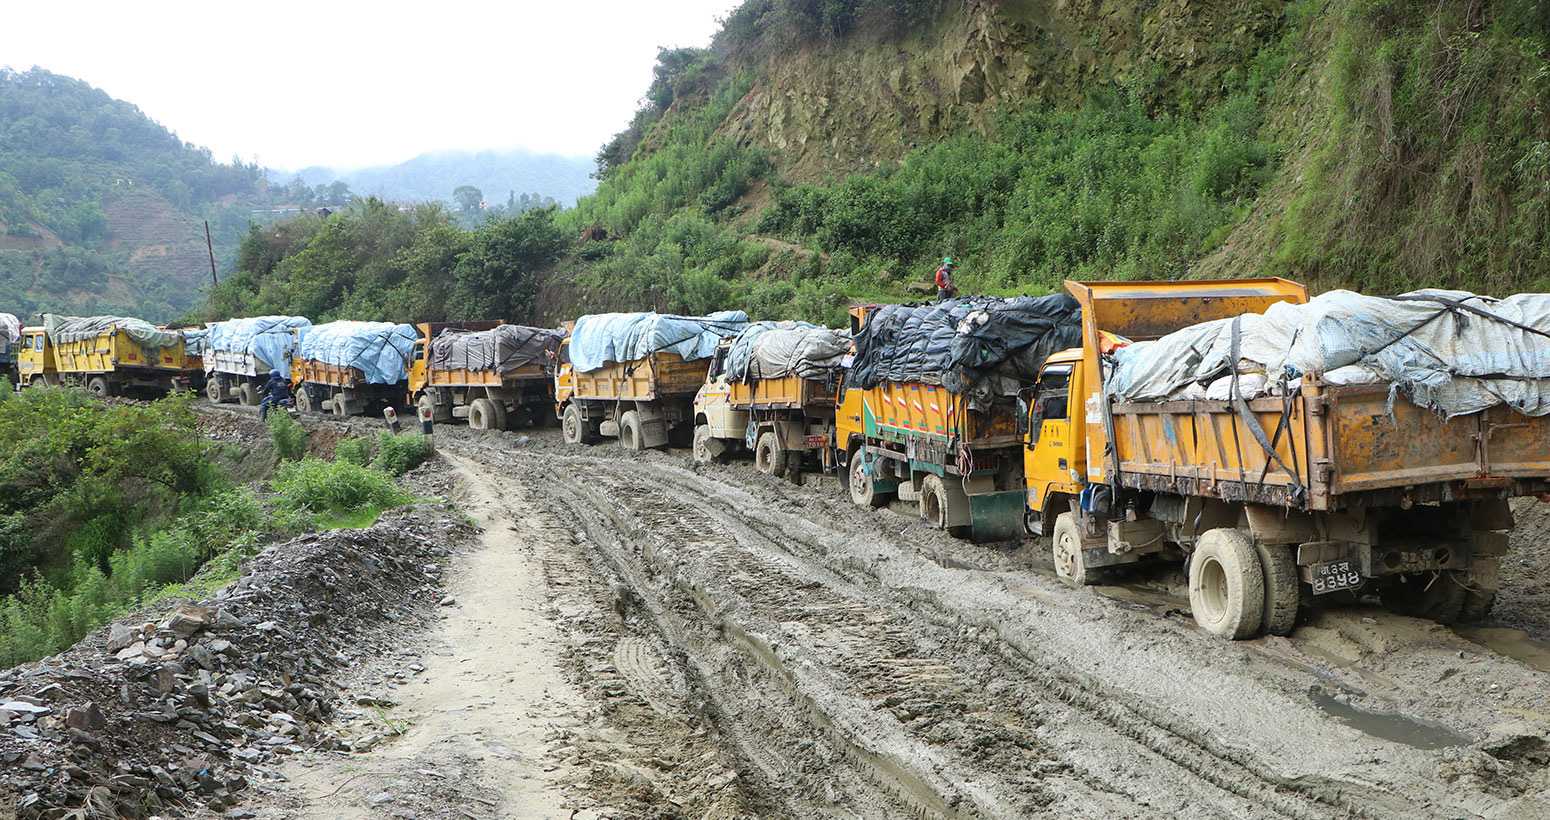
{"x": 318, "y": 486}
{"x": 353, "y": 451}
{"x": 290, "y": 440}
{"x": 397, "y": 455}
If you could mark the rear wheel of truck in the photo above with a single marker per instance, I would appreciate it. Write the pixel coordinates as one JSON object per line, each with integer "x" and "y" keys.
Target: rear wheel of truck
{"x": 1066, "y": 544}
{"x": 1436, "y": 596}
{"x": 863, "y": 490}
{"x": 1283, "y": 589}
{"x": 336, "y": 406}
{"x": 933, "y": 503}
{"x": 1226, "y": 584}
{"x": 249, "y": 394}
{"x": 481, "y": 415}
{"x": 575, "y": 429}
{"x": 99, "y": 387}
{"x": 702, "y": 445}
{"x": 1477, "y": 605}
{"x": 768, "y": 457}
{"x": 629, "y": 431}
{"x": 39, "y": 381}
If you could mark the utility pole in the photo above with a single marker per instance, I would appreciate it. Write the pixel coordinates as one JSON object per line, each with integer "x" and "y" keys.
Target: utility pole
{"x": 210, "y": 246}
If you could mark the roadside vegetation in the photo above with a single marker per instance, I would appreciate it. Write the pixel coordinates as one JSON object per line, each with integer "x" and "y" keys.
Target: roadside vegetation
{"x": 105, "y": 508}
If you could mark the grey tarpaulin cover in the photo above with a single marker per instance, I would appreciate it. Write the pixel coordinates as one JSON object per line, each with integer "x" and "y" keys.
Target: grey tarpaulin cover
{"x": 1450, "y": 351}
{"x": 194, "y": 340}
{"x": 380, "y": 350}
{"x": 65, "y": 329}
{"x": 502, "y": 349}
{"x": 625, "y": 337}
{"x": 267, "y": 338}
{"x": 10, "y": 328}
{"x": 772, "y": 350}
{"x": 958, "y": 343}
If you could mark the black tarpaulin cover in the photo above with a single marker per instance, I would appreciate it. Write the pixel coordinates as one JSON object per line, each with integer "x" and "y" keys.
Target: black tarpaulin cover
{"x": 501, "y": 349}
{"x": 957, "y": 343}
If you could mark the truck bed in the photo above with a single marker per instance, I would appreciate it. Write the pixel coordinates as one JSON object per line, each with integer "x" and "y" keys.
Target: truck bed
{"x": 903, "y": 410}
{"x": 1335, "y": 443}
{"x": 787, "y": 393}
{"x": 112, "y": 351}
{"x": 316, "y": 372}
{"x": 485, "y": 378}
{"x": 659, "y": 376}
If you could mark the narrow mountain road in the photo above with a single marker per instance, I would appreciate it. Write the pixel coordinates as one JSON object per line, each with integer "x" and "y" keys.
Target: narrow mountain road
{"x": 640, "y": 636}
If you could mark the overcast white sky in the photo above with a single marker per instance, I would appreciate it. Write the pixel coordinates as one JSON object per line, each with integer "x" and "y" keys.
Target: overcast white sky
{"x": 352, "y": 84}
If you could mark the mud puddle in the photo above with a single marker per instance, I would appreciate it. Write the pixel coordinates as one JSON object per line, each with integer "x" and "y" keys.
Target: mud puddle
{"x": 1514, "y": 643}
{"x": 1391, "y": 726}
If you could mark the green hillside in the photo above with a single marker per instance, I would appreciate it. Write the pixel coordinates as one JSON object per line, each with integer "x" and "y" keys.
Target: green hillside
{"x": 102, "y": 209}
{"x": 820, "y": 153}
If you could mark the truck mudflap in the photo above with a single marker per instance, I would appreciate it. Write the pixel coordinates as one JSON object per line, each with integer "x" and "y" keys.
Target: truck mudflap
{"x": 997, "y": 516}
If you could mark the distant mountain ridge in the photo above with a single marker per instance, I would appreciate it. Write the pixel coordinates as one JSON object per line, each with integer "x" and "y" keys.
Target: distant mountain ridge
{"x": 433, "y": 176}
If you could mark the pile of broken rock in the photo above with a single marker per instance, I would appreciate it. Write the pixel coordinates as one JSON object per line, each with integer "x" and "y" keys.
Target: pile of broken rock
{"x": 185, "y": 712}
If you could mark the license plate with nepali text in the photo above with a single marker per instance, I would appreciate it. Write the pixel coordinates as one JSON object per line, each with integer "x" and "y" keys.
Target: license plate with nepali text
{"x": 1334, "y": 576}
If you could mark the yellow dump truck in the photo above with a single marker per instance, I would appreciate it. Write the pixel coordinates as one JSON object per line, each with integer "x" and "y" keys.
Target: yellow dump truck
{"x": 107, "y": 355}
{"x": 1305, "y": 487}
{"x": 914, "y": 423}
{"x": 495, "y": 375}
{"x": 349, "y": 368}
{"x": 635, "y": 375}
{"x": 771, "y": 390}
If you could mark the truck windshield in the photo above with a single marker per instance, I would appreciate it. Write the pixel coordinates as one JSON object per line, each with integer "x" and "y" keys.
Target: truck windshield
{"x": 1049, "y": 402}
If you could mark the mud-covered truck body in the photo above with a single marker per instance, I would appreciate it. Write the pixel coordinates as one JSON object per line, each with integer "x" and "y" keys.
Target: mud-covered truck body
{"x": 105, "y": 354}
{"x": 10, "y": 344}
{"x": 239, "y": 354}
{"x": 495, "y": 375}
{"x": 1287, "y": 447}
{"x": 771, "y": 390}
{"x": 928, "y": 408}
{"x": 634, "y": 375}
{"x": 352, "y": 368}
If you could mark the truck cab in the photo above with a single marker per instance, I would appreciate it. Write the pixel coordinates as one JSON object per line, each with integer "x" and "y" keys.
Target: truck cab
{"x": 35, "y": 360}
{"x": 717, "y": 424}
{"x": 1054, "y": 452}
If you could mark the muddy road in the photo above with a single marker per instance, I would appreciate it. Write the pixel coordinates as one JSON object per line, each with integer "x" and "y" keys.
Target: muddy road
{"x": 639, "y": 636}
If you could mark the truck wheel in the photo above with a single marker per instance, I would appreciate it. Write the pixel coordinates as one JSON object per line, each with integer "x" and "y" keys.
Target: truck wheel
{"x": 336, "y": 406}
{"x": 213, "y": 390}
{"x": 304, "y": 400}
{"x": 1066, "y": 547}
{"x": 1436, "y": 596}
{"x": 501, "y": 421}
{"x": 702, "y": 452}
{"x": 863, "y": 491}
{"x": 1477, "y": 605}
{"x": 629, "y": 431}
{"x": 249, "y": 394}
{"x": 1226, "y": 584}
{"x": 768, "y": 457}
{"x": 933, "y": 502}
{"x": 99, "y": 387}
{"x": 39, "y": 381}
{"x": 481, "y": 415}
{"x": 575, "y": 429}
{"x": 1283, "y": 589}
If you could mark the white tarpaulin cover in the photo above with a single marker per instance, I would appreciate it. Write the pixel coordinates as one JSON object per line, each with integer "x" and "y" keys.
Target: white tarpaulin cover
{"x": 65, "y": 329}
{"x": 380, "y": 350}
{"x": 772, "y": 350}
{"x": 1452, "y": 352}
{"x": 267, "y": 338}
{"x": 624, "y": 337}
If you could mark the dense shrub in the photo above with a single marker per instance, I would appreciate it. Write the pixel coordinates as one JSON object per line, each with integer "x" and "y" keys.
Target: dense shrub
{"x": 398, "y": 454}
{"x": 353, "y": 451}
{"x": 317, "y": 486}
{"x": 290, "y": 438}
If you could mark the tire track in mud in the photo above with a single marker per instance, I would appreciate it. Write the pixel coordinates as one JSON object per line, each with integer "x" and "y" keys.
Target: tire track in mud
{"x": 951, "y": 746}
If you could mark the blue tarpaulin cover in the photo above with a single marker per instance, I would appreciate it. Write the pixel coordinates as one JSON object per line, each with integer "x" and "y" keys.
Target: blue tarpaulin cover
{"x": 267, "y": 338}
{"x": 380, "y": 350}
{"x": 624, "y": 337}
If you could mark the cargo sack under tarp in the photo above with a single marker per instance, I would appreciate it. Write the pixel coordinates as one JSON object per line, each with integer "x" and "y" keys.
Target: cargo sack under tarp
{"x": 10, "y": 328}
{"x": 1452, "y": 352}
{"x": 980, "y": 344}
{"x": 773, "y": 350}
{"x": 501, "y": 349}
{"x": 380, "y": 350}
{"x": 67, "y": 329}
{"x": 604, "y": 338}
{"x": 270, "y": 339}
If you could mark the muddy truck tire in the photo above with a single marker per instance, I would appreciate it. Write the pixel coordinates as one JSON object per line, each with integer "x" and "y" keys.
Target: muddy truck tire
{"x": 863, "y": 490}
{"x": 1227, "y": 585}
{"x": 1283, "y": 588}
{"x": 768, "y": 457}
{"x": 1066, "y": 544}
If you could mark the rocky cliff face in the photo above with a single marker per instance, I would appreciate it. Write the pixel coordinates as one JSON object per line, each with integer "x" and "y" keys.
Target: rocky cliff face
{"x": 865, "y": 101}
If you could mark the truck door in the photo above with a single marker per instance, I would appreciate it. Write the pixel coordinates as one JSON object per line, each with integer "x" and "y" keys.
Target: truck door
{"x": 1049, "y": 456}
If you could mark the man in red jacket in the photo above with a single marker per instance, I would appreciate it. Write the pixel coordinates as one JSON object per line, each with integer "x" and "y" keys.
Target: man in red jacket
{"x": 945, "y": 289}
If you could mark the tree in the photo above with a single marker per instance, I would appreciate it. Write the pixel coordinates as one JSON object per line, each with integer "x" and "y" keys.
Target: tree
{"x": 468, "y": 198}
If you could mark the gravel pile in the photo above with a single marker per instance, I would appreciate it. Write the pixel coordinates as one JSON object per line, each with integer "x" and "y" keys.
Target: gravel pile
{"x": 183, "y": 713}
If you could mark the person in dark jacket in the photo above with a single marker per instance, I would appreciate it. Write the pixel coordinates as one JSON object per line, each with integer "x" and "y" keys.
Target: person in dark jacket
{"x": 277, "y": 393}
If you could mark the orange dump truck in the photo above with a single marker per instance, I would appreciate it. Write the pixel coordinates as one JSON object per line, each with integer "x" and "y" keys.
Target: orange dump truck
{"x": 930, "y": 415}
{"x": 351, "y": 368}
{"x": 771, "y": 390}
{"x": 634, "y": 375}
{"x": 495, "y": 375}
{"x": 105, "y": 354}
{"x": 1176, "y": 431}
